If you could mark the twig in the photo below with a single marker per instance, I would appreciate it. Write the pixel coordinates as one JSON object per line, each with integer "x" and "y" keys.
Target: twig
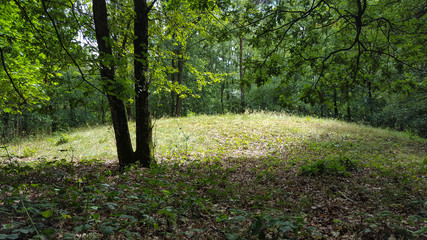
{"x": 31, "y": 219}
{"x": 345, "y": 196}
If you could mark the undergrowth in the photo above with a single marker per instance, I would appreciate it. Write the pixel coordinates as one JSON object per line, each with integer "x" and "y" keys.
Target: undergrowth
{"x": 259, "y": 176}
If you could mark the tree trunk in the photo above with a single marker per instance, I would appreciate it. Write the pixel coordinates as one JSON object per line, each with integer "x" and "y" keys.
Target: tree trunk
{"x": 322, "y": 105}
{"x": 178, "y": 109}
{"x": 348, "y": 105}
{"x": 5, "y": 129}
{"x": 370, "y": 101}
{"x": 335, "y": 103}
{"x": 129, "y": 111}
{"x": 117, "y": 107}
{"x": 348, "y": 112}
{"x": 222, "y": 96}
{"x": 144, "y": 141}
{"x": 173, "y": 93}
{"x": 242, "y": 85}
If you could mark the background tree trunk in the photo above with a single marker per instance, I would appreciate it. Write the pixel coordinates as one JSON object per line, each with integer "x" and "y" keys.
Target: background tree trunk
{"x": 242, "y": 85}
{"x": 335, "y": 102}
{"x": 173, "y": 93}
{"x": 178, "y": 110}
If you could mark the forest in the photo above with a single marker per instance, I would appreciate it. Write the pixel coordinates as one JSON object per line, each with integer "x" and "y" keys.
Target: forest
{"x": 213, "y": 119}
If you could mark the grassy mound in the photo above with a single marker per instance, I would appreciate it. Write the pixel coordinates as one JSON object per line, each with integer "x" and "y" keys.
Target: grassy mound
{"x": 253, "y": 176}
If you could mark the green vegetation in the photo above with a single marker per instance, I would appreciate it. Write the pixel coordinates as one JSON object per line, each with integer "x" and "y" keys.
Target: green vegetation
{"x": 249, "y": 176}
{"x": 332, "y": 166}
{"x": 104, "y": 130}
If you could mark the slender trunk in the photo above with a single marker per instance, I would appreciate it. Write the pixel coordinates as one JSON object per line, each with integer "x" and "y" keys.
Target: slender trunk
{"x": 242, "y": 85}
{"x": 144, "y": 141}
{"x": 321, "y": 100}
{"x": 178, "y": 109}
{"x": 72, "y": 114}
{"x": 5, "y": 131}
{"x": 222, "y": 96}
{"x": 335, "y": 103}
{"x": 348, "y": 112}
{"x": 173, "y": 93}
{"x": 348, "y": 105}
{"x": 117, "y": 107}
{"x": 70, "y": 103}
{"x": 17, "y": 126}
{"x": 370, "y": 102}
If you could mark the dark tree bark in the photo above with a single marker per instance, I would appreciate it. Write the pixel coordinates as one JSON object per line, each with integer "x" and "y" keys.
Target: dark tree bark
{"x": 348, "y": 112}
{"x": 144, "y": 141}
{"x": 222, "y": 96}
{"x": 176, "y": 100}
{"x": 129, "y": 111}
{"x": 178, "y": 110}
{"x": 335, "y": 103}
{"x": 173, "y": 93}
{"x": 348, "y": 104}
{"x": 117, "y": 107}
{"x": 370, "y": 100}
{"x": 242, "y": 85}
{"x": 5, "y": 131}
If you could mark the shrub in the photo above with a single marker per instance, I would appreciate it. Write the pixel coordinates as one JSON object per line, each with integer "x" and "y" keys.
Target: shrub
{"x": 64, "y": 138}
{"x": 330, "y": 166}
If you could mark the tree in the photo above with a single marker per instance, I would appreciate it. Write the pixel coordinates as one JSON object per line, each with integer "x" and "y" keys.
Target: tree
{"x": 144, "y": 142}
{"x": 144, "y": 145}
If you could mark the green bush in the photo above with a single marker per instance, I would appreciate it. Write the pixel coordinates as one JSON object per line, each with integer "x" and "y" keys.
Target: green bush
{"x": 64, "y": 138}
{"x": 330, "y": 166}
{"x": 423, "y": 166}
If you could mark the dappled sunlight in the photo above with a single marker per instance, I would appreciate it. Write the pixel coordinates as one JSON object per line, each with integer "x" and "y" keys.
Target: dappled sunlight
{"x": 312, "y": 177}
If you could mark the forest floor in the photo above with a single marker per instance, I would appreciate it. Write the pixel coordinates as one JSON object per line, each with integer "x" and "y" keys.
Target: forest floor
{"x": 251, "y": 176}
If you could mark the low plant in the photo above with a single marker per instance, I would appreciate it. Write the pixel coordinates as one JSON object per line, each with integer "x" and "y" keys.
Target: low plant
{"x": 423, "y": 166}
{"x": 330, "y": 166}
{"x": 29, "y": 152}
{"x": 64, "y": 138}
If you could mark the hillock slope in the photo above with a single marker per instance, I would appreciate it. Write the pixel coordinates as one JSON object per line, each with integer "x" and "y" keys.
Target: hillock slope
{"x": 249, "y": 176}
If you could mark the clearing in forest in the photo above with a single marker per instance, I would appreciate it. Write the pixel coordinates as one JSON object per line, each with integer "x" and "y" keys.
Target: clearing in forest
{"x": 250, "y": 176}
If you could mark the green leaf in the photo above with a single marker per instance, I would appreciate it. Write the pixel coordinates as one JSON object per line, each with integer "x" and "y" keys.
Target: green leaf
{"x": 231, "y": 236}
{"x": 285, "y": 228}
{"x": 47, "y": 213}
{"x": 132, "y": 218}
{"x": 256, "y": 227}
{"x": 111, "y": 205}
{"x": 49, "y": 231}
{"x": 421, "y": 231}
{"x": 9, "y": 236}
{"x": 81, "y": 228}
{"x": 107, "y": 230}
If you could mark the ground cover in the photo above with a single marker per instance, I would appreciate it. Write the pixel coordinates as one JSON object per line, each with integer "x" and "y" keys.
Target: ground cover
{"x": 250, "y": 176}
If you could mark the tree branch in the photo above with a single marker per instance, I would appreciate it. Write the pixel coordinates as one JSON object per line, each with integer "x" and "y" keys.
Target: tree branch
{"x": 10, "y": 77}
{"x": 65, "y": 49}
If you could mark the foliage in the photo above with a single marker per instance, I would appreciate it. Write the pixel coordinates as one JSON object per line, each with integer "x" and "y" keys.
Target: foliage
{"x": 330, "y": 166}
{"x": 299, "y": 57}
